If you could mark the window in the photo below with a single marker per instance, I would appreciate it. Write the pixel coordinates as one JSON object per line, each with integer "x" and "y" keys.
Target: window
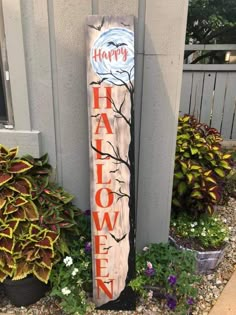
{"x": 6, "y": 117}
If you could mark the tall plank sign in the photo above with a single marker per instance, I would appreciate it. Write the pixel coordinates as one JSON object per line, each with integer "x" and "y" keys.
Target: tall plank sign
{"x": 110, "y": 83}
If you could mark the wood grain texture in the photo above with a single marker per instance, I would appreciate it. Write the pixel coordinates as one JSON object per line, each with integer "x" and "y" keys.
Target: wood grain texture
{"x": 110, "y": 100}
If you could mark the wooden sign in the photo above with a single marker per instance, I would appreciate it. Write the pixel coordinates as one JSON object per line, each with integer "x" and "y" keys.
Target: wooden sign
{"x": 110, "y": 83}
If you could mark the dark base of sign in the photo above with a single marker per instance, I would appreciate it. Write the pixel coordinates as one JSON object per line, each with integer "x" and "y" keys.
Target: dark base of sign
{"x": 126, "y": 301}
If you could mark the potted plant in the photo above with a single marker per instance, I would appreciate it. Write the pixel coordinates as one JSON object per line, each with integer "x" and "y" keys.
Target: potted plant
{"x": 33, "y": 215}
{"x": 200, "y": 169}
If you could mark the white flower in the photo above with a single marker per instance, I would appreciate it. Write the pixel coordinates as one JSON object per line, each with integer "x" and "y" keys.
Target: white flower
{"x": 192, "y": 224}
{"x": 224, "y": 220}
{"x": 150, "y": 295}
{"x": 149, "y": 265}
{"x": 226, "y": 239}
{"x": 79, "y": 282}
{"x": 202, "y": 223}
{"x": 195, "y": 223}
{"x": 192, "y": 230}
{"x": 174, "y": 223}
{"x": 222, "y": 230}
{"x": 68, "y": 261}
{"x": 74, "y": 272}
{"x": 145, "y": 248}
{"x": 65, "y": 291}
{"x": 203, "y": 234}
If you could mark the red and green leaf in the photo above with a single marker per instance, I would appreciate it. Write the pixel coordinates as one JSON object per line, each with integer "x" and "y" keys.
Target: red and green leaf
{"x": 7, "y": 245}
{"x": 46, "y": 258}
{"x": 31, "y": 212}
{"x": 3, "y": 275}
{"x": 19, "y": 166}
{"x": 6, "y": 232}
{"x": 4, "y": 178}
{"x": 2, "y": 202}
{"x": 22, "y": 185}
{"x": 12, "y": 153}
{"x": 13, "y": 224}
{"x": 45, "y": 243}
{"x": 3, "y": 150}
{"x": 19, "y": 201}
{"x": 41, "y": 273}
{"x": 10, "y": 209}
{"x": 19, "y": 215}
{"x": 53, "y": 236}
{"x": 23, "y": 269}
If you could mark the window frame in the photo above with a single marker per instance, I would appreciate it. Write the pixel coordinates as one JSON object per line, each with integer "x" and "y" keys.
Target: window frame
{"x": 9, "y": 121}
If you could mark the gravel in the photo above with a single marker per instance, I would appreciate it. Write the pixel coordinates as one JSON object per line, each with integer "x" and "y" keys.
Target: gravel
{"x": 209, "y": 289}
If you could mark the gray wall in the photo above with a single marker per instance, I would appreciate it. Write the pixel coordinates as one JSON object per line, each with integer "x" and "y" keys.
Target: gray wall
{"x": 52, "y": 43}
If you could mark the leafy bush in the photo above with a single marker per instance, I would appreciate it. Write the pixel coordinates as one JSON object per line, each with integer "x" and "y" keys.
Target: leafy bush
{"x": 208, "y": 231}
{"x": 230, "y": 179}
{"x": 200, "y": 166}
{"x": 33, "y": 215}
{"x": 168, "y": 274}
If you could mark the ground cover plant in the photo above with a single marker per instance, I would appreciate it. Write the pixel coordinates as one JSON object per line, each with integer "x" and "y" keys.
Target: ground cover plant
{"x": 167, "y": 274}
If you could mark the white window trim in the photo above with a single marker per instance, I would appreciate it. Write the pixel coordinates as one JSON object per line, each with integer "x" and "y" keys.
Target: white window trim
{"x": 16, "y": 63}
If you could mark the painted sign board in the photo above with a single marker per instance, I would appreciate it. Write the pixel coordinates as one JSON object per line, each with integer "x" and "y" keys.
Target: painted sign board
{"x": 110, "y": 85}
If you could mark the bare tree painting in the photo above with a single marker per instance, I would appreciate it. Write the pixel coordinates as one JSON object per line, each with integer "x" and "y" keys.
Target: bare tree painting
{"x": 110, "y": 81}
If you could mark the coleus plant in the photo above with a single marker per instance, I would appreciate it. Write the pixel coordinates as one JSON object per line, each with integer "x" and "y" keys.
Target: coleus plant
{"x": 200, "y": 167}
{"x": 33, "y": 216}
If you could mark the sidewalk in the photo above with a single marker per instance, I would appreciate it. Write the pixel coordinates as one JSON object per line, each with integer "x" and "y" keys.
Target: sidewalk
{"x": 226, "y": 303}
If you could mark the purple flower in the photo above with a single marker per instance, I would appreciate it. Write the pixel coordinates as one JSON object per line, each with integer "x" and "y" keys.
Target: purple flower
{"x": 149, "y": 272}
{"x": 172, "y": 280}
{"x": 87, "y": 213}
{"x": 190, "y": 301}
{"x": 171, "y": 303}
{"x": 88, "y": 247}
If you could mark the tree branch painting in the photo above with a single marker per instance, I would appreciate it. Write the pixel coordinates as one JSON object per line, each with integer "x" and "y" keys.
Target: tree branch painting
{"x": 110, "y": 82}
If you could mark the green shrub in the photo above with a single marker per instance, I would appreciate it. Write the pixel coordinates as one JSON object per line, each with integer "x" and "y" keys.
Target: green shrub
{"x": 200, "y": 167}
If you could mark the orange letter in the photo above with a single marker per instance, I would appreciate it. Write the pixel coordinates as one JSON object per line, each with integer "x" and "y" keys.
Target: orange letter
{"x": 99, "y": 148}
{"x": 101, "y": 285}
{"x": 98, "y": 263}
{"x": 99, "y": 175}
{"x": 98, "y": 244}
{"x": 106, "y": 123}
{"x": 107, "y": 97}
{"x": 106, "y": 218}
{"x": 109, "y": 199}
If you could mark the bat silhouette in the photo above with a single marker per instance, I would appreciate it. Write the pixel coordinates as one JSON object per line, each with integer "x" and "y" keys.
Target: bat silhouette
{"x": 124, "y": 24}
{"x": 97, "y": 82}
{"x": 99, "y": 27}
{"x": 107, "y": 282}
{"x": 107, "y": 248}
{"x": 95, "y": 115}
{"x": 118, "y": 240}
{"x": 116, "y": 45}
{"x": 120, "y": 181}
{"x": 114, "y": 171}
